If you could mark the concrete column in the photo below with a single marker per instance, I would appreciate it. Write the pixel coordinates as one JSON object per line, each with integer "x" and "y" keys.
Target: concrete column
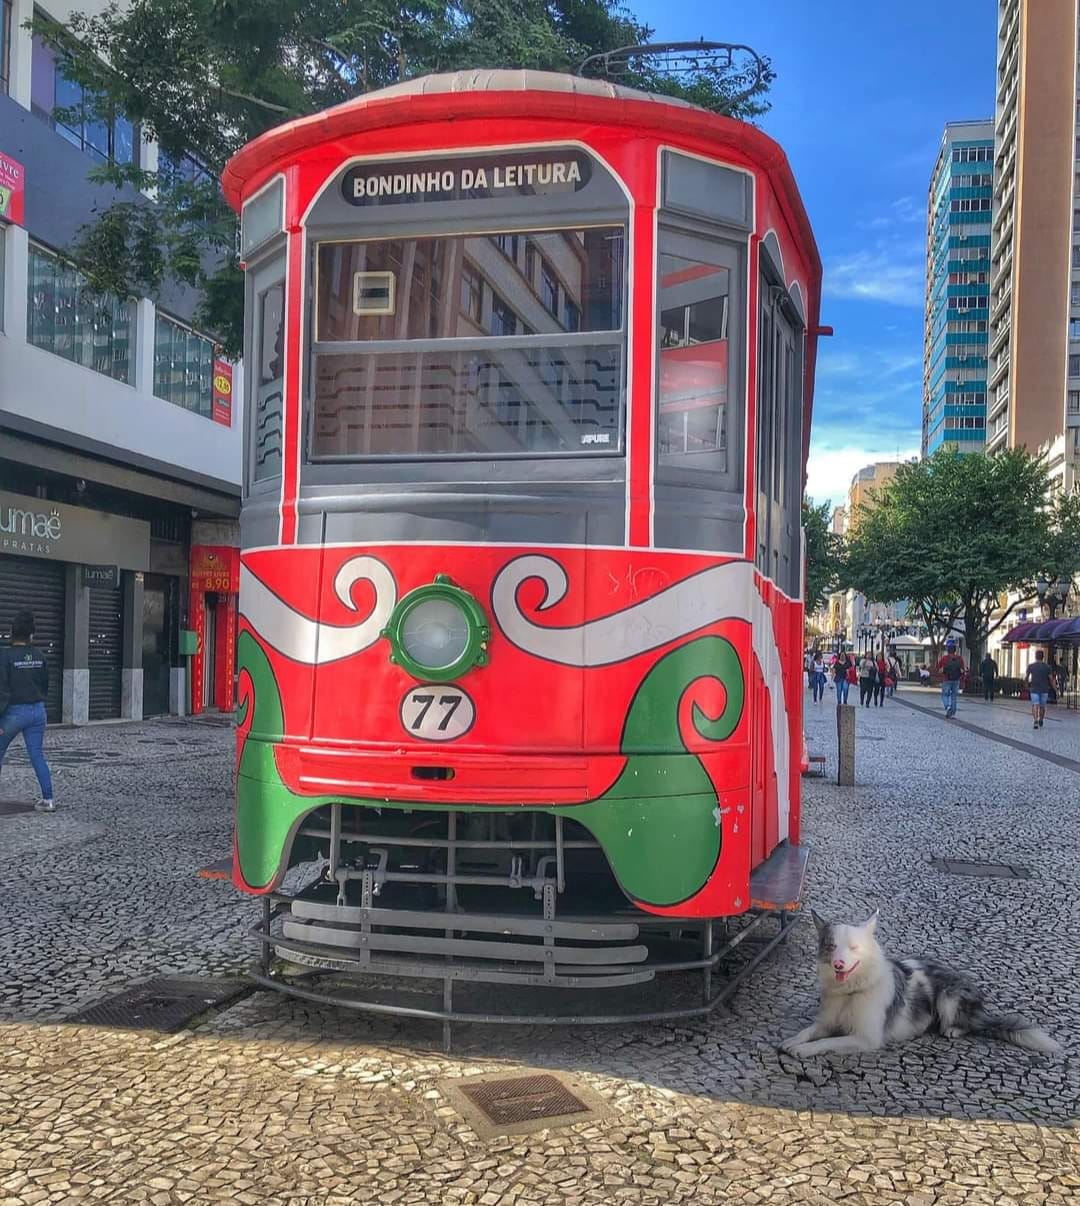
{"x": 131, "y": 705}
{"x": 22, "y": 49}
{"x": 178, "y": 691}
{"x": 845, "y": 745}
{"x": 145, "y": 314}
{"x": 76, "y": 698}
{"x": 16, "y": 253}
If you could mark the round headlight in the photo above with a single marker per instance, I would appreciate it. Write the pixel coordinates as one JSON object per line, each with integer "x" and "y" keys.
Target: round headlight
{"x": 435, "y": 633}
{"x": 438, "y": 632}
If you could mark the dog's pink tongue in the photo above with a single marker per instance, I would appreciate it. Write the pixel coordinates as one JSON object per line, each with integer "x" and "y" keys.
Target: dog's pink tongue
{"x": 843, "y": 975}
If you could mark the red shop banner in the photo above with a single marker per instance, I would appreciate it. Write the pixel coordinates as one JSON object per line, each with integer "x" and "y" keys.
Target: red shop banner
{"x": 12, "y": 190}
{"x": 223, "y": 386}
{"x": 215, "y": 567}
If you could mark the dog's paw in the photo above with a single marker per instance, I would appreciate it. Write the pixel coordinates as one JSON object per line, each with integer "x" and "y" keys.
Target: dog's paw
{"x": 953, "y": 1031}
{"x": 800, "y": 1050}
{"x": 792, "y": 1046}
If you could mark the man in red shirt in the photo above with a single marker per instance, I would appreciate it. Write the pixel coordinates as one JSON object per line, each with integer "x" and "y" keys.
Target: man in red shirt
{"x": 952, "y": 670}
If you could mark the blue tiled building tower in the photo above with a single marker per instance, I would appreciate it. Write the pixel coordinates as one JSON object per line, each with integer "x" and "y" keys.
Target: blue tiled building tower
{"x": 958, "y": 289}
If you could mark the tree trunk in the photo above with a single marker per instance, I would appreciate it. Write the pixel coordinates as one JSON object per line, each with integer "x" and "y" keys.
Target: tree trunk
{"x": 974, "y": 634}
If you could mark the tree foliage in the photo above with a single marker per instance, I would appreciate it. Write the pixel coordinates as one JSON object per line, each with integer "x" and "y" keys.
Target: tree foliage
{"x": 203, "y": 77}
{"x": 956, "y": 533}
{"x": 824, "y": 555}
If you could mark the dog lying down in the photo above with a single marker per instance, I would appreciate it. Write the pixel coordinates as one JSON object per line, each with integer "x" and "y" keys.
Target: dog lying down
{"x": 868, "y": 999}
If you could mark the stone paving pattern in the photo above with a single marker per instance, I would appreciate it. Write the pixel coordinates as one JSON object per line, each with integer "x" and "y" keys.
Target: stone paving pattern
{"x": 277, "y": 1101}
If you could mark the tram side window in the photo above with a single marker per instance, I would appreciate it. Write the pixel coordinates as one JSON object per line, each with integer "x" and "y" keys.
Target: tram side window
{"x": 269, "y": 383}
{"x": 505, "y": 344}
{"x": 694, "y": 388}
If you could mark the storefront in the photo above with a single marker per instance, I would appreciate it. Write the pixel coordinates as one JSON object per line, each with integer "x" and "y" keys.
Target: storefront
{"x": 81, "y": 573}
{"x": 215, "y": 587}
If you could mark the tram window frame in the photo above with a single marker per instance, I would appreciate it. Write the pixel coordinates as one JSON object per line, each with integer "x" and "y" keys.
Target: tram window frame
{"x": 266, "y": 274}
{"x": 780, "y": 416}
{"x": 707, "y": 469}
{"x": 520, "y": 228}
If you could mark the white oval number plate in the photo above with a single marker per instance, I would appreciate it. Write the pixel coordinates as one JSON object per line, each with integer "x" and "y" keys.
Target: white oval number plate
{"x": 436, "y": 713}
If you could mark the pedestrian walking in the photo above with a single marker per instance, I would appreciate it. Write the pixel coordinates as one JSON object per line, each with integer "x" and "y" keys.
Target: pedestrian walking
{"x": 844, "y": 674}
{"x": 867, "y": 680}
{"x": 988, "y": 673}
{"x": 895, "y": 671}
{"x": 952, "y": 670}
{"x": 1039, "y": 678}
{"x": 924, "y": 676}
{"x": 24, "y": 687}
{"x": 817, "y": 677}
{"x": 882, "y": 680}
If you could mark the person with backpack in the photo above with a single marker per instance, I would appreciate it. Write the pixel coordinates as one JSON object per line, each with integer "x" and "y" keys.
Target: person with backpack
{"x": 883, "y": 680}
{"x": 24, "y": 687}
{"x": 952, "y": 670}
{"x": 895, "y": 673}
{"x": 867, "y": 680}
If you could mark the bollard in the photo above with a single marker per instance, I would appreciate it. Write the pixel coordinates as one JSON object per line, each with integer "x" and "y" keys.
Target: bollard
{"x": 845, "y": 745}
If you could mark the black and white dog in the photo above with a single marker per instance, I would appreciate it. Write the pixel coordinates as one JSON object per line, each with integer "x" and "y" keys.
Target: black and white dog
{"x": 868, "y": 999}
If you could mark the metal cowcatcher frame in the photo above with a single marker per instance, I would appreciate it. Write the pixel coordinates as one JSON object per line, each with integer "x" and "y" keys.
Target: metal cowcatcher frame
{"x": 368, "y": 934}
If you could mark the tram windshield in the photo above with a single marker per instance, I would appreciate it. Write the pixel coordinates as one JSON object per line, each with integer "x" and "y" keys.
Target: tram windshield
{"x": 490, "y": 345}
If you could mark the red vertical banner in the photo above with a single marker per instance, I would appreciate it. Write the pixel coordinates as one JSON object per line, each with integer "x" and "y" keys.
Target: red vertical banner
{"x": 12, "y": 191}
{"x": 225, "y": 659}
{"x": 197, "y": 613}
{"x": 223, "y": 388}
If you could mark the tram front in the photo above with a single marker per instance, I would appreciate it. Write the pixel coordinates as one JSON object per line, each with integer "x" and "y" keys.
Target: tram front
{"x": 489, "y": 668}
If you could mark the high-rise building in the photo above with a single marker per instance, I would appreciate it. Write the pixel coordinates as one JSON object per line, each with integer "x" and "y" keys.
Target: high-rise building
{"x": 1035, "y": 263}
{"x": 958, "y": 289}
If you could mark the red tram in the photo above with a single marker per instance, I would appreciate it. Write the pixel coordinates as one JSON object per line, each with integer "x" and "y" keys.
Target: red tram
{"x": 521, "y": 625}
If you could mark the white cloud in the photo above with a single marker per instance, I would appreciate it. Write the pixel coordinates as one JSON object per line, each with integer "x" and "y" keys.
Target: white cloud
{"x": 880, "y": 276}
{"x": 830, "y": 470}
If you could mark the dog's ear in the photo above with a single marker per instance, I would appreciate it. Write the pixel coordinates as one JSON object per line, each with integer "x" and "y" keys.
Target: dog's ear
{"x": 820, "y": 924}
{"x": 870, "y": 924}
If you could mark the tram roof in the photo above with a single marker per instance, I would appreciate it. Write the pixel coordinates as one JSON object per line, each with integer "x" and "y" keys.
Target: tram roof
{"x": 507, "y": 93}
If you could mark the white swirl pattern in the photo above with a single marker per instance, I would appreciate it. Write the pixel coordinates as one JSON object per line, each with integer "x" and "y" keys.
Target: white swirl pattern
{"x": 309, "y": 641}
{"x": 721, "y": 592}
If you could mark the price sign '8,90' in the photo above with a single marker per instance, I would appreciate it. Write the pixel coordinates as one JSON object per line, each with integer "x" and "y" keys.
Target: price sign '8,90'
{"x": 437, "y": 712}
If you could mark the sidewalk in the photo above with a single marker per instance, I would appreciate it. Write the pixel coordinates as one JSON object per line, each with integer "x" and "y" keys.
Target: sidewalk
{"x": 275, "y": 1102}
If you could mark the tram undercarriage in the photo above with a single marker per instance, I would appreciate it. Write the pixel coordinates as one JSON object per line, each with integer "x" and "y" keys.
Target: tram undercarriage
{"x": 442, "y": 914}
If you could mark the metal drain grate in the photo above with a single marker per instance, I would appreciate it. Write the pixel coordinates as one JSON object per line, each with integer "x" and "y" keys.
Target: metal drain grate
{"x": 164, "y": 1005}
{"x": 516, "y": 1105}
{"x": 959, "y": 866}
{"x": 12, "y": 808}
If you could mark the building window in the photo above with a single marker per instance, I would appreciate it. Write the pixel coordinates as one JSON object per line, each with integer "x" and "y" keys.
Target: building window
{"x": 472, "y": 293}
{"x": 1074, "y": 328}
{"x": 503, "y": 318}
{"x": 508, "y": 245}
{"x": 182, "y": 170}
{"x": 1075, "y": 296}
{"x": 183, "y": 367}
{"x": 64, "y": 105}
{"x": 530, "y": 262}
{"x": 65, "y": 317}
{"x": 5, "y": 44}
{"x": 1074, "y": 401}
{"x": 1074, "y": 366}
{"x": 549, "y": 289}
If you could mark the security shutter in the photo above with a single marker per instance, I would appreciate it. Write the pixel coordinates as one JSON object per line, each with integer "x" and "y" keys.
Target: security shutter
{"x": 106, "y": 644}
{"x": 38, "y": 586}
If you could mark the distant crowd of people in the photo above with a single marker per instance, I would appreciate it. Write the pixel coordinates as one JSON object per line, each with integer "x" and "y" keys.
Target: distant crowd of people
{"x": 878, "y": 673}
{"x": 875, "y": 673}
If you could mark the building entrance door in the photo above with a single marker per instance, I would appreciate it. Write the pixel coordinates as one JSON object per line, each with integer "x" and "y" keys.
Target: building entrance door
{"x": 158, "y": 610}
{"x": 210, "y": 652}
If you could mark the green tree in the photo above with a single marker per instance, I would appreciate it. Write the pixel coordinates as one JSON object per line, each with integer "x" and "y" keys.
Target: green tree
{"x": 203, "y": 77}
{"x": 824, "y": 554}
{"x": 956, "y": 533}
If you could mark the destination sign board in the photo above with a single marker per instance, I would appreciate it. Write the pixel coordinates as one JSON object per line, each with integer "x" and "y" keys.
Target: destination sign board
{"x": 421, "y": 181}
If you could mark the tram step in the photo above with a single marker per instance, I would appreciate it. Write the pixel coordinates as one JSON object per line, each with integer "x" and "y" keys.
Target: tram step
{"x": 776, "y": 885}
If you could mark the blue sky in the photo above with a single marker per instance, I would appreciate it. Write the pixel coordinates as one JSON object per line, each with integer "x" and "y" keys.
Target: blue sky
{"x": 860, "y": 103}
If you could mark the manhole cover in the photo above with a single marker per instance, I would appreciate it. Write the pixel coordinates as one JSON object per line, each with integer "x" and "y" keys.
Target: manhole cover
{"x": 959, "y": 866}
{"x": 11, "y": 808}
{"x": 164, "y": 1005}
{"x": 516, "y": 1105}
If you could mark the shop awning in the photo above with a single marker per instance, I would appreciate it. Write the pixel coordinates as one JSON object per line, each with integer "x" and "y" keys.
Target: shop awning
{"x": 1022, "y": 632}
{"x": 1069, "y": 630}
{"x": 1047, "y": 630}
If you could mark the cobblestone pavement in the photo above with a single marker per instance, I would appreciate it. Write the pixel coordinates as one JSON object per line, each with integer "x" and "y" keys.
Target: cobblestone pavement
{"x": 275, "y": 1101}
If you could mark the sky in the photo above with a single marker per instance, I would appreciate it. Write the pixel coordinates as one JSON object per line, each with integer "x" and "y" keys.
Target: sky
{"x": 863, "y": 91}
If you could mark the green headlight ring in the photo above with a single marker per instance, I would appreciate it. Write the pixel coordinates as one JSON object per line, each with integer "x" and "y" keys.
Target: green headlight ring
{"x": 479, "y": 631}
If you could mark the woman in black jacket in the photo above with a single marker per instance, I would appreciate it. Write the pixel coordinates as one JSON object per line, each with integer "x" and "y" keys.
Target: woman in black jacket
{"x": 24, "y": 687}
